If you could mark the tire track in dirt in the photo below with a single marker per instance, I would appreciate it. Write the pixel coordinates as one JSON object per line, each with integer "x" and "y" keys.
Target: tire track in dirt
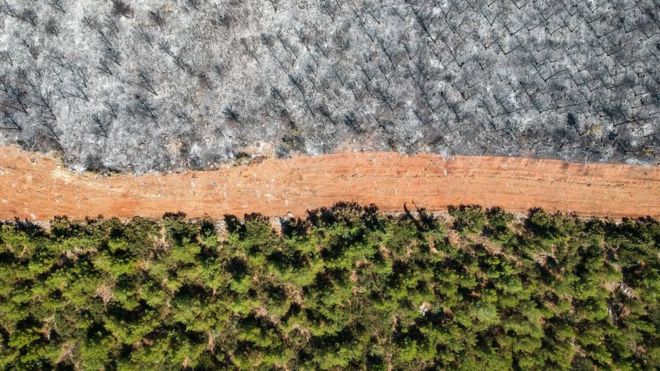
{"x": 36, "y": 186}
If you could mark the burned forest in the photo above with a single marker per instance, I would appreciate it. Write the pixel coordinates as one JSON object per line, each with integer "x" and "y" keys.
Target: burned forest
{"x": 160, "y": 85}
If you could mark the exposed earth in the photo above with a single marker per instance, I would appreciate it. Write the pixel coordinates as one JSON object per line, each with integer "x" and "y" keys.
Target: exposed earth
{"x": 38, "y": 187}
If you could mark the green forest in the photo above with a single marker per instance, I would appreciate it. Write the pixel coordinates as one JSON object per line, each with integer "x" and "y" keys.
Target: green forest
{"x": 345, "y": 287}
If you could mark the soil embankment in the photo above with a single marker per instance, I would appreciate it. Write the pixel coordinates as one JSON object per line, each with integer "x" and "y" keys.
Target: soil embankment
{"x": 39, "y": 187}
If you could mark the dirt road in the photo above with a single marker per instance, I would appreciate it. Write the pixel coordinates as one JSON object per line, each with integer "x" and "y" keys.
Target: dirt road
{"x": 38, "y": 187}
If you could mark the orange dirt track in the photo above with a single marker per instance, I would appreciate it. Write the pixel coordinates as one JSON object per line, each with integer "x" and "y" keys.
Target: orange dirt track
{"x": 35, "y": 186}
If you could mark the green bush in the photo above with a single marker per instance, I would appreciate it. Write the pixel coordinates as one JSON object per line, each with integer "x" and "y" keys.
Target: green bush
{"x": 347, "y": 287}
{"x": 468, "y": 219}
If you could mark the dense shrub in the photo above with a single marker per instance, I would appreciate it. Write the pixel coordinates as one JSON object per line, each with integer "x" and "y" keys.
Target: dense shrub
{"x": 346, "y": 287}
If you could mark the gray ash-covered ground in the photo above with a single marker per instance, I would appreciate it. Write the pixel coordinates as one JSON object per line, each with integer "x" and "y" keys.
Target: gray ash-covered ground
{"x": 157, "y": 85}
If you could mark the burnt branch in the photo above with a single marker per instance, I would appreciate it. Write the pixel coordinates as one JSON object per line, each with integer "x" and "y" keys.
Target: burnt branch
{"x": 230, "y": 114}
{"x": 45, "y": 101}
{"x": 52, "y": 28}
{"x": 144, "y": 108}
{"x": 145, "y": 36}
{"x": 104, "y": 67}
{"x": 32, "y": 49}
{"x": 111, "y": 108}
{"x": 325, "y": 112}
{"x": 101, "y": 126}
{"x": 51, "y": 131}
{"x": 15, "y": 97}
{"x": 157, "y": 18}
{"x": 277, "y": 93}
{"x": 58, "y": 5}
{"x": 249, "y": 50}
{"x": 120, "y": 8}
{"x": 147, "y": 82}
{"x": 9, "y": 122}
{"x": 299, "y": 86}
{"x": 351, "y": 121}
{"x": 274, "y": 3}
{"x": 29, "y": 16}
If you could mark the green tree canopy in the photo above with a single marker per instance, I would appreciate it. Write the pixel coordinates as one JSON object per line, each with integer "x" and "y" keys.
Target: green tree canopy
{"x": 346, "y": 287}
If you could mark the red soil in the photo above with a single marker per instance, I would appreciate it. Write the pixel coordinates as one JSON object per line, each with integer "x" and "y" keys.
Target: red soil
{"x": 39, "y": 187}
